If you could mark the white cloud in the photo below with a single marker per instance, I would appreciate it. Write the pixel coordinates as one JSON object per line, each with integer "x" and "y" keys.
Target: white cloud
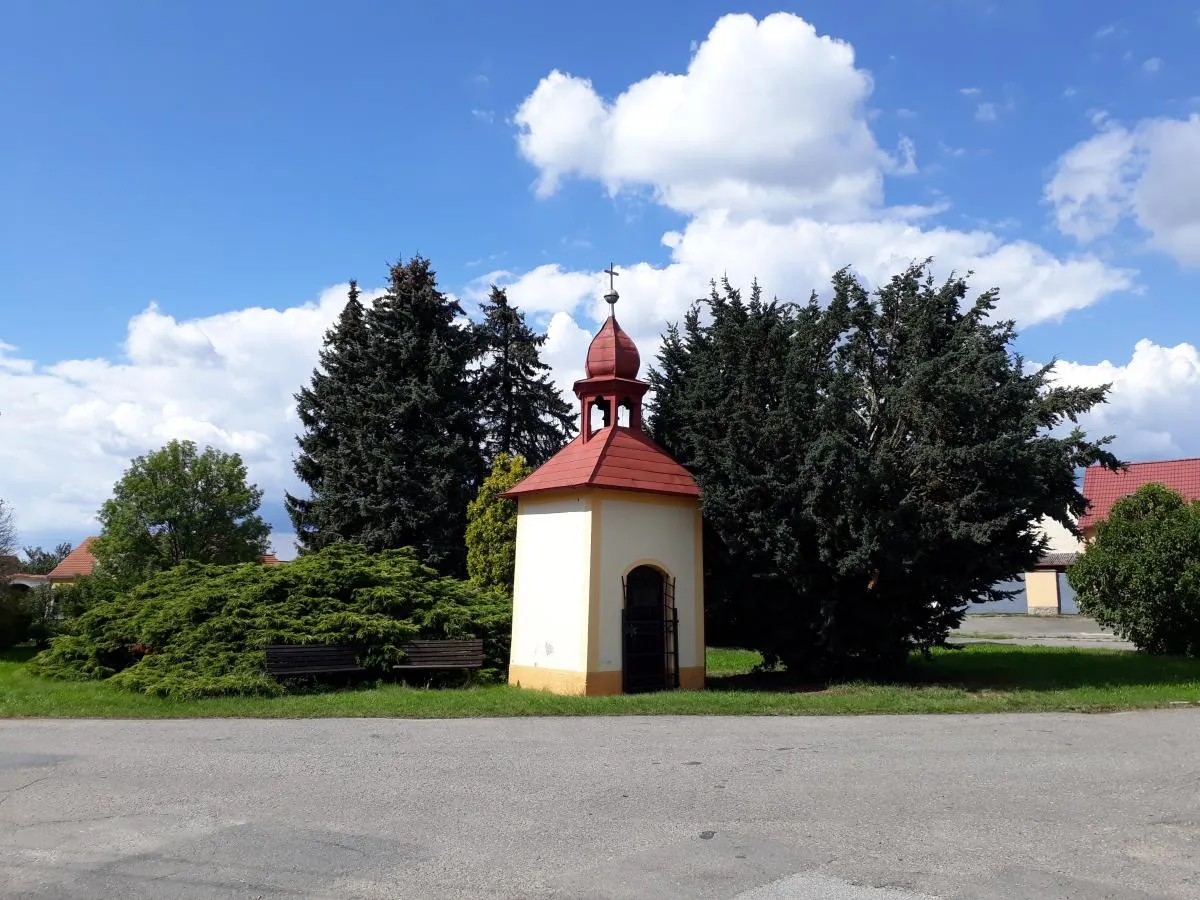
{"x": 484, "y": 115}
{"x": 1152, "y": 65}
{"x": 71, "y": 427}
{"x": 768, "y": 118}
{"x": 1147, "y": 173}
{"x": 769, "y": 196}
{"x": 1151, "y": 406}
{"x": 1069, "y": 92}
{"x": 985, "y": 112}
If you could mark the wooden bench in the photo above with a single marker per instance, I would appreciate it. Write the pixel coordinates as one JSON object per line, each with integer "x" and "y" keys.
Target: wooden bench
{"x": 466, "y": 654}
{"x": 295, "y": 660}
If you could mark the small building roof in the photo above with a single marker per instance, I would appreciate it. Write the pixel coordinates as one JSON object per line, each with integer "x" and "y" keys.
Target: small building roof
{"x": 1056, "y": 561}
{"x": 615, "y": 457}
{"x": 1104, "y": 487}
{"x": 270, "y": 559}
{"x": 78, "y": 562}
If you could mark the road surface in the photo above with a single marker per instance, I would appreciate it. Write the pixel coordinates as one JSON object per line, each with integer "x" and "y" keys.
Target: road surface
{"x": 854, "y": 808}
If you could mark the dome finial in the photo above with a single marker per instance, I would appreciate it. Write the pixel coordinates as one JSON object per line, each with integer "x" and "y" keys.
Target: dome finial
{"x": 612, "y": 296}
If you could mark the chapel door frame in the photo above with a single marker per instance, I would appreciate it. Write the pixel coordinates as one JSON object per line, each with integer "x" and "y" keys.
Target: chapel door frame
{"x": 649, "y": 635}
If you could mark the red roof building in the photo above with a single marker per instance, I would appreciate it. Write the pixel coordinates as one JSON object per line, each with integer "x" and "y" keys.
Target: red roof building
{"x": 79, "y": 562}
{"x": 1104, "y": 487}
{"x": 614, "y": 455}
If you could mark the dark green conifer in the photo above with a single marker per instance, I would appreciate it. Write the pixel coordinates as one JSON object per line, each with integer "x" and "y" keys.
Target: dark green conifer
{"x": 869, "y": 467}
{"x": 521, "y": 411}
{"x": 391, "y": 447}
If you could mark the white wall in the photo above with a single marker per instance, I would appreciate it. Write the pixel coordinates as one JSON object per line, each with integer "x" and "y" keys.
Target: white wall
{"x": 1061, "y": 540}
{"x": 550, "y": 589}
{"x": 634, "y": 531}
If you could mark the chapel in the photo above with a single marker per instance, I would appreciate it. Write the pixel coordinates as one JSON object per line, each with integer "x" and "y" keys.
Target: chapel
{"x": 608, "y": 595}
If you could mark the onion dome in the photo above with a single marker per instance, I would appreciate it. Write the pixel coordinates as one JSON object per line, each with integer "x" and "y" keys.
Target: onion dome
{"x": 613, "y": 353}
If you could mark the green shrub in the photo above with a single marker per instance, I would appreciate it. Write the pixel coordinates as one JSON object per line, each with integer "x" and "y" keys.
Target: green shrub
{"x": 492, "y": 525}
{"x": 200, "y": 630}
{"x": 16, "y": 618}
{"x": 1141, "y": 575}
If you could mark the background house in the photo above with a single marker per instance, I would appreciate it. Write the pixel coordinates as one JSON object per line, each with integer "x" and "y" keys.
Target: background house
{"x": 1045, "y": 590}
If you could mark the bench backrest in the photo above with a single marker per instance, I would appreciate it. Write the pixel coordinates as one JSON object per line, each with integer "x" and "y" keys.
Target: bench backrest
{"x": 289, "y": 657}
{"x": 444, "y": 653}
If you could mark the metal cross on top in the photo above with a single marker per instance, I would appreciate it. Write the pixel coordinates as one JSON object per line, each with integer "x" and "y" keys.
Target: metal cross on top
{"x": 611, "y": 297}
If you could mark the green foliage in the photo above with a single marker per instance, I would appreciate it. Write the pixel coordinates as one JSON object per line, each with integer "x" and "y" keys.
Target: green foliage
{"x": 521, "y": 410}
{"x": 390, "y": 447}
{"x": 868, "y": 466}
{"x": 72, "y": 600}
{"x": 1141, "y": 575}
{"x": 176, "y": 504}
{"x": 492, "y": 525}
{"x": 42, "y": 562}
{"x": 200, "y": 631}
{"x": 16, "y": 618}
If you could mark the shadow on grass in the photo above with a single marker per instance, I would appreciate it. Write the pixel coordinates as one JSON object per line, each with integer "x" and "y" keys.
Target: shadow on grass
{"x": 18, "y": 654}
{"x": 990, "y": 667}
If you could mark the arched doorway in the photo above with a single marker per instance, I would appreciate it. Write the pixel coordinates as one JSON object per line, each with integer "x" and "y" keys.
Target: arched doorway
{"x": 649, "y": 661}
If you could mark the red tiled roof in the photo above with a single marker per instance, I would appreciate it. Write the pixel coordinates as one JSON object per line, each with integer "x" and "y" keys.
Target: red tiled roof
{"x": 1103, "y": 487}
{"x": 612, "y": 353}
{"x": 615, "y": 457}
{"x": 270, "y": 559}
{"x": 78, "y": 562}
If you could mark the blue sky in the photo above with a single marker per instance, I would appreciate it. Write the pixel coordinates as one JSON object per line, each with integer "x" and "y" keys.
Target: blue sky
{"x": 216, "y": 158}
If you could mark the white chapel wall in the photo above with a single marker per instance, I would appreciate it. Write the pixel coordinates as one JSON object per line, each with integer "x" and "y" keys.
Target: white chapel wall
{"x": 643, "y": 530}
{"x": 550, "y": 613}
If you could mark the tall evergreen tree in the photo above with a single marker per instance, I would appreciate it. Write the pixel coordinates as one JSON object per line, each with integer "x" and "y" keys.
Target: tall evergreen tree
{"x": 330, "y": 410}
{"x": 870, "y": 466}
{"x": 521, "y": 411}
{"x": 391, "y": 446}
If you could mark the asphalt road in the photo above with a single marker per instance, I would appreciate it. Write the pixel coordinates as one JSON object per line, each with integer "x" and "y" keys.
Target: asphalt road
{"x": 866, "y": 808}
{"x": 1046, "y": 631}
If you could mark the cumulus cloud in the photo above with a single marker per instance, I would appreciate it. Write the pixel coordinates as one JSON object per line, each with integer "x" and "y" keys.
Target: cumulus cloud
{"x": 69, "y": 428}
{"x": 769, "y": 116}
{"x": 1146, "y": 174}
{"x": 765, "y": 143}
{"x": 1151, "y": 407}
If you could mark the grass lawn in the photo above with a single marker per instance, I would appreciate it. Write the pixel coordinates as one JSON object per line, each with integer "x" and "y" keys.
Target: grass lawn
{"x": 980, "y": 678}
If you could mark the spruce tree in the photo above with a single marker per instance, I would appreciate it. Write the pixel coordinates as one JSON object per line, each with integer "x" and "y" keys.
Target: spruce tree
{"x": 329, "y": 409}
{"x": 868, "y": 466}
{"x": 521, "y": 411}
{"x": 391, "y": 447}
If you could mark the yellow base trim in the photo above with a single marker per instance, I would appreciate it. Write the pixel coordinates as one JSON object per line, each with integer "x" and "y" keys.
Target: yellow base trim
{"x": 588, "y": 684}
{"x": 561, "y": 681}
{"x": 691, "y": 678}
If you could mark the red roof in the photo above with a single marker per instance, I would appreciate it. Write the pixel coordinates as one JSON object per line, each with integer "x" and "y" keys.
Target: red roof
{"x": 1103, "y": 487}
{"x": 78, "y": 562}
{"x": 612, "y": 353}
{"x": 615, "y": 457}
{"x": 270, "y": 559}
